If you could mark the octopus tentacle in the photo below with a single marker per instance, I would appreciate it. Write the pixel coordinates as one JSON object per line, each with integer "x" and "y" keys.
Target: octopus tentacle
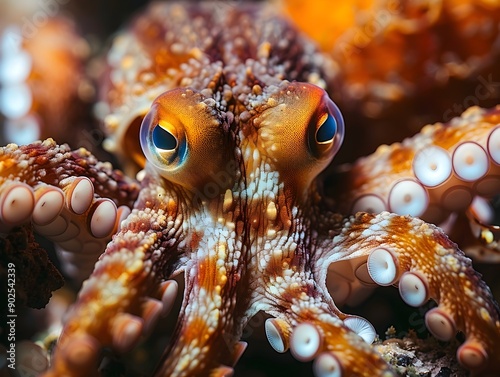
{"x": 424, "y": 264}
{"x": 70, "y": 197}
{"x": 57, "y": 165}
{"x": 307, "y": 320}
{"x": 210, "y": 325}
{"x": 315, "y": 331}
{"x": 437, "y": 172}
{"x": 51, "y": 185}
{"x": 118, "y": 304}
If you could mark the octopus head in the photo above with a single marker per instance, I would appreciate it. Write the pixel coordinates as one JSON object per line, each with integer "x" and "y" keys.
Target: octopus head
{"x": 291, "y": 135}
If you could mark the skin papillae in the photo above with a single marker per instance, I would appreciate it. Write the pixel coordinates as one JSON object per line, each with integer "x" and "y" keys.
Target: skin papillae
{"x": 236, "y": 127}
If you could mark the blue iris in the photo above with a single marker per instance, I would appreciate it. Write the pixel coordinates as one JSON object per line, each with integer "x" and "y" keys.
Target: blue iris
{"x": 326, "y": 132}
{"x": 163, "y": 139}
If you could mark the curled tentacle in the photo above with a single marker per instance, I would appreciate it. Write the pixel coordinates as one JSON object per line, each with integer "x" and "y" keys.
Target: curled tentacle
{"x": 118, "y": 303}
{"x": 308, "y": 322}
{"x": 70, "y": 197}
{"x": 42, "y": 179}
{"x": 424, "y": 264}
{"x": 334, "y": 348}
{"x": 440, "y": 171}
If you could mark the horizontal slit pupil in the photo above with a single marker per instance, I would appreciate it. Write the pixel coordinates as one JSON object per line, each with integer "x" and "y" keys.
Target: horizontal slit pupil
{"x": 327, "y": 130}
{"x": 163, "y": 139}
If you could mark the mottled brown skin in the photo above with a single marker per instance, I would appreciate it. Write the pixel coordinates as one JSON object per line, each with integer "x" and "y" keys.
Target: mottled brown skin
{"x": 230, "y": 196}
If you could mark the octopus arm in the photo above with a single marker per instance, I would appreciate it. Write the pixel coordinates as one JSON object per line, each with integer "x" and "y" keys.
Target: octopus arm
{"x": 69, "y": 196}
{"x": 209, "y": 326}
{"x": 309, "y": 324}
{"x": 214, "y": 312}
{"x": 445, "y": 169}
{"x": 312, "y": 332}
{"x": 424, "y": 264}
{"x": 120, "y": 301}
{"x": 45, "y": 162}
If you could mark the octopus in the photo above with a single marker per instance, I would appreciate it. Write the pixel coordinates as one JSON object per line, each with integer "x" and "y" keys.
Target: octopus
{"x": 223, "y": 118}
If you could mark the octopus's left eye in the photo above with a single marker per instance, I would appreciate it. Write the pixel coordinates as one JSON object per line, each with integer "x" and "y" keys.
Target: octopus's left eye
{"x": 163, "y": 139}
{"x": 327, "y": 129}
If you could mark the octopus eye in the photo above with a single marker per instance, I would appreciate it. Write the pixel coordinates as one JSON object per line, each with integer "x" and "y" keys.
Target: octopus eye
{"x": 163, "y": 139}
{"x": 163, "y": 143}
{"x": 182, "y": 139}
{"x": 300, "y": 130}
{"x": 327, "y": 129}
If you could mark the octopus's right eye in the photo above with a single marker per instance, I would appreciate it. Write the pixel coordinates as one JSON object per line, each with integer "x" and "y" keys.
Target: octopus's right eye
{"x": 163, "y": 139}
{"x": 301, "y": 132}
